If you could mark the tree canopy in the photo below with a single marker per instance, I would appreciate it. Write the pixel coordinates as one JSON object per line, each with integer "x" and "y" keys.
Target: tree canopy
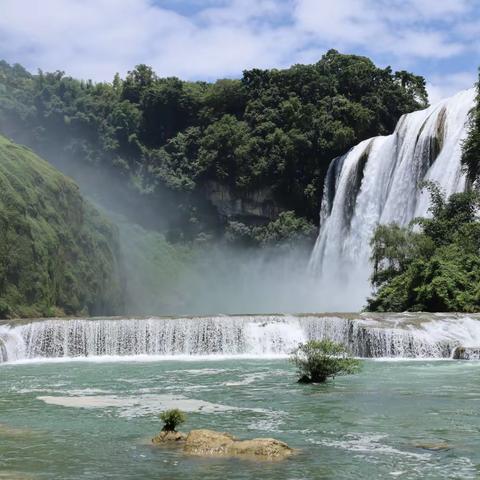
{"x": 165, "y": 139}
{"x": 471, "y": 147}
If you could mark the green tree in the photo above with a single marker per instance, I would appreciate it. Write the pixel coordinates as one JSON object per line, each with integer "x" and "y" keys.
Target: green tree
{"x": 434, "y": 267}
{"x": 172, "y": 419}
{"x": 471, "y": 146}
{"x": 318, "y": 360}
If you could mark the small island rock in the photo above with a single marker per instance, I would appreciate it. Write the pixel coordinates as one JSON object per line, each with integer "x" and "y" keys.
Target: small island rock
{"x": 210, "y": 443}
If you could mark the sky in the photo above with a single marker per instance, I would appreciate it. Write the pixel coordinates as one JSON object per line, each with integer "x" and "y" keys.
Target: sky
{"x": 210, "y": 39}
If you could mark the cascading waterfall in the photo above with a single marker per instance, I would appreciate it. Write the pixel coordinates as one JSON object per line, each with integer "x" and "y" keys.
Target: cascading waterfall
{"x": 392, "y": 335}
{"x": 378, "y": 182}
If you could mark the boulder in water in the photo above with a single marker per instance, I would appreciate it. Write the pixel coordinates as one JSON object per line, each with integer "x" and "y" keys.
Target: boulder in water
{"x": 210, "y": 443}
{"x": 466, "y": 353}
{"x": 434, "y": 447}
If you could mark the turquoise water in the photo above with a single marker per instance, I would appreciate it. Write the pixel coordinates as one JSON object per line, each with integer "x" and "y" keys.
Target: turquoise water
{"x": 94, "y": 420}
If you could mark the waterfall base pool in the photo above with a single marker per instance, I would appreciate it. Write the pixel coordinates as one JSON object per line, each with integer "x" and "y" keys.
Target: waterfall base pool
{"x": 90, "y": 420}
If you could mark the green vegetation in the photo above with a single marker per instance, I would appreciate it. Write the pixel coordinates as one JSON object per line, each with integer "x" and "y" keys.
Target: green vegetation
{"x": 172, "y": 419}
{"x": 58, "y": 255}
{"x": 318, "y": 360}
{"x": 156, "y": 271}
{"x": 166, "y": 141}
{"x": 434, "y": 267}
{"x": 285, "y": 230}
{"x": 471, "y": 147}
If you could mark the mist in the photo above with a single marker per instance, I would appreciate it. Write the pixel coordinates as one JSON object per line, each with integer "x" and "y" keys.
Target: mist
{"x": 215, "y": 279}
{"x": 164, "y": 277}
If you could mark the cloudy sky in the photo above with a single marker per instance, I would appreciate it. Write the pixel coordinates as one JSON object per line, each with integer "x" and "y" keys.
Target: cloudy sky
{"x": 207, "y": 39}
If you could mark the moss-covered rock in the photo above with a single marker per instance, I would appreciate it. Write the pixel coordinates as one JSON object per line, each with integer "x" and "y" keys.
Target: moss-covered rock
{"x": 58, "y": 255}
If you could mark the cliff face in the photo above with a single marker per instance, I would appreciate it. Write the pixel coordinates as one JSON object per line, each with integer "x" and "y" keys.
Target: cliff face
{"x": 256, "y": 207}
{"x": 58, "y": 255}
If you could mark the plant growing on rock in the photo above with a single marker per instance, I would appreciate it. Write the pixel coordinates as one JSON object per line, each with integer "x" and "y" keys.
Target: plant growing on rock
{"x": 317, "y": 360}
{"x": 172, "y": 419}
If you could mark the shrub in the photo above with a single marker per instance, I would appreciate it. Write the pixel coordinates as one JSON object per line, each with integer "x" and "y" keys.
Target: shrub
{"x": 5, "y": 310}
{"x": 318, "y": 360}
{"x": 172, "y": 419}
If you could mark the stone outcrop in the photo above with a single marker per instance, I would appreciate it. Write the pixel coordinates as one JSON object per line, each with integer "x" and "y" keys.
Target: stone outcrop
{"x": 211, "y": 443}
{"x": 256, "y": 207}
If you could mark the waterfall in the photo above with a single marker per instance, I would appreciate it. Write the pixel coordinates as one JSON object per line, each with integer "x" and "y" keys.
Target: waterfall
{"x": 365, "y": 335}
{"x": 377, "y": 182}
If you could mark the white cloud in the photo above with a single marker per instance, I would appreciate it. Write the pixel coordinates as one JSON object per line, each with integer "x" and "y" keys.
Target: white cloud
{"x": 447, "y": 85}
{"x": 393, "y": 27}
{"x": 97, "y": 38}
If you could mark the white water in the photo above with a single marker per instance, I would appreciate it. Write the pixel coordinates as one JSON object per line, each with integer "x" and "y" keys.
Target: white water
{"x": 393, "y": 335}
{"x": 377, "y": 182}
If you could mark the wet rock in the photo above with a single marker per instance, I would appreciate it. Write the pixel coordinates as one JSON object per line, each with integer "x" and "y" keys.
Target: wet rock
{"x": 211, "y": 443}
{"x": 434, "y": 447}
{"x": 169, "y": 437}
{"x": 466, "y": 353}
{"x": 261, "y": 447}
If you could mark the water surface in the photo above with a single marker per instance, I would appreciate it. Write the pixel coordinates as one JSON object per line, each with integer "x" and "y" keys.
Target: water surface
{"x": 94, "y": 420}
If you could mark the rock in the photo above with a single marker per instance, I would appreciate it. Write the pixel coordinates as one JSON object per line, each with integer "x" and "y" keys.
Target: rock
{"x": 7, "y": 431}
{"x": 169, "y": 437}
{"x": 207, "y": 442}
{"x": 261, "y": 447}
{"x": 211, "y": 443}
{"x": 466, "y": 353}
{"x": 258, "y": 206}
{"x": 434, "y": 447}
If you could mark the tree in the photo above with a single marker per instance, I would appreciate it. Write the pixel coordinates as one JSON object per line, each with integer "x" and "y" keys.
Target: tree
{"x": 435, "y": 267}
{"x": 471, "y": 146}
{"x": 168, "y": 138}
{"x": 318, "y": 360}
{"x": 172, "y": 419}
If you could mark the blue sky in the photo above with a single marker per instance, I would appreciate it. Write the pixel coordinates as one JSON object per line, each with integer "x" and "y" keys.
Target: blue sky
{"x": 208, "y": 39}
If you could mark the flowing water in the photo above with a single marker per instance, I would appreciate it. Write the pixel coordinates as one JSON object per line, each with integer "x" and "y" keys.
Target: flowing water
{"x": 93, "y": 420}
{"x": 378, "y": 181}
{"x": 80, "y": 397}
{"x": 403, "y": 335}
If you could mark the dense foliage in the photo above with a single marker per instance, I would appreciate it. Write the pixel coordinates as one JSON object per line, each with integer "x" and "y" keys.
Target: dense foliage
{"x": 434, "y": 265}
{"x": 471, "y": 147}
{"x": 57, "y": 253}
{"x": 172, "y": 419}
{"x": 318, "y": 360}
{"x": 167, "y": 140}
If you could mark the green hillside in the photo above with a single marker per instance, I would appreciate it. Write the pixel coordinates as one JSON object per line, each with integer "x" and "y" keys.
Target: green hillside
{"x": 58, "y": 255}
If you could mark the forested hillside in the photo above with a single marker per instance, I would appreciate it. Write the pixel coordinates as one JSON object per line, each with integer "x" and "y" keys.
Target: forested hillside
{"x": 58, "y": 255}
{"x": 198, "y": 160}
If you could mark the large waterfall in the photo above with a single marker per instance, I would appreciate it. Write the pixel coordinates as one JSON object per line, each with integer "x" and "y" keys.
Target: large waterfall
{"x": 366, "y": 335}
{"x": 378, "y": 181}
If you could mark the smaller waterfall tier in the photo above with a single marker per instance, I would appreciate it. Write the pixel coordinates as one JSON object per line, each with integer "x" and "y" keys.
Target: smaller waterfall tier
{"x": 394, "y": 335}
{"x": 378, "y": 182}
